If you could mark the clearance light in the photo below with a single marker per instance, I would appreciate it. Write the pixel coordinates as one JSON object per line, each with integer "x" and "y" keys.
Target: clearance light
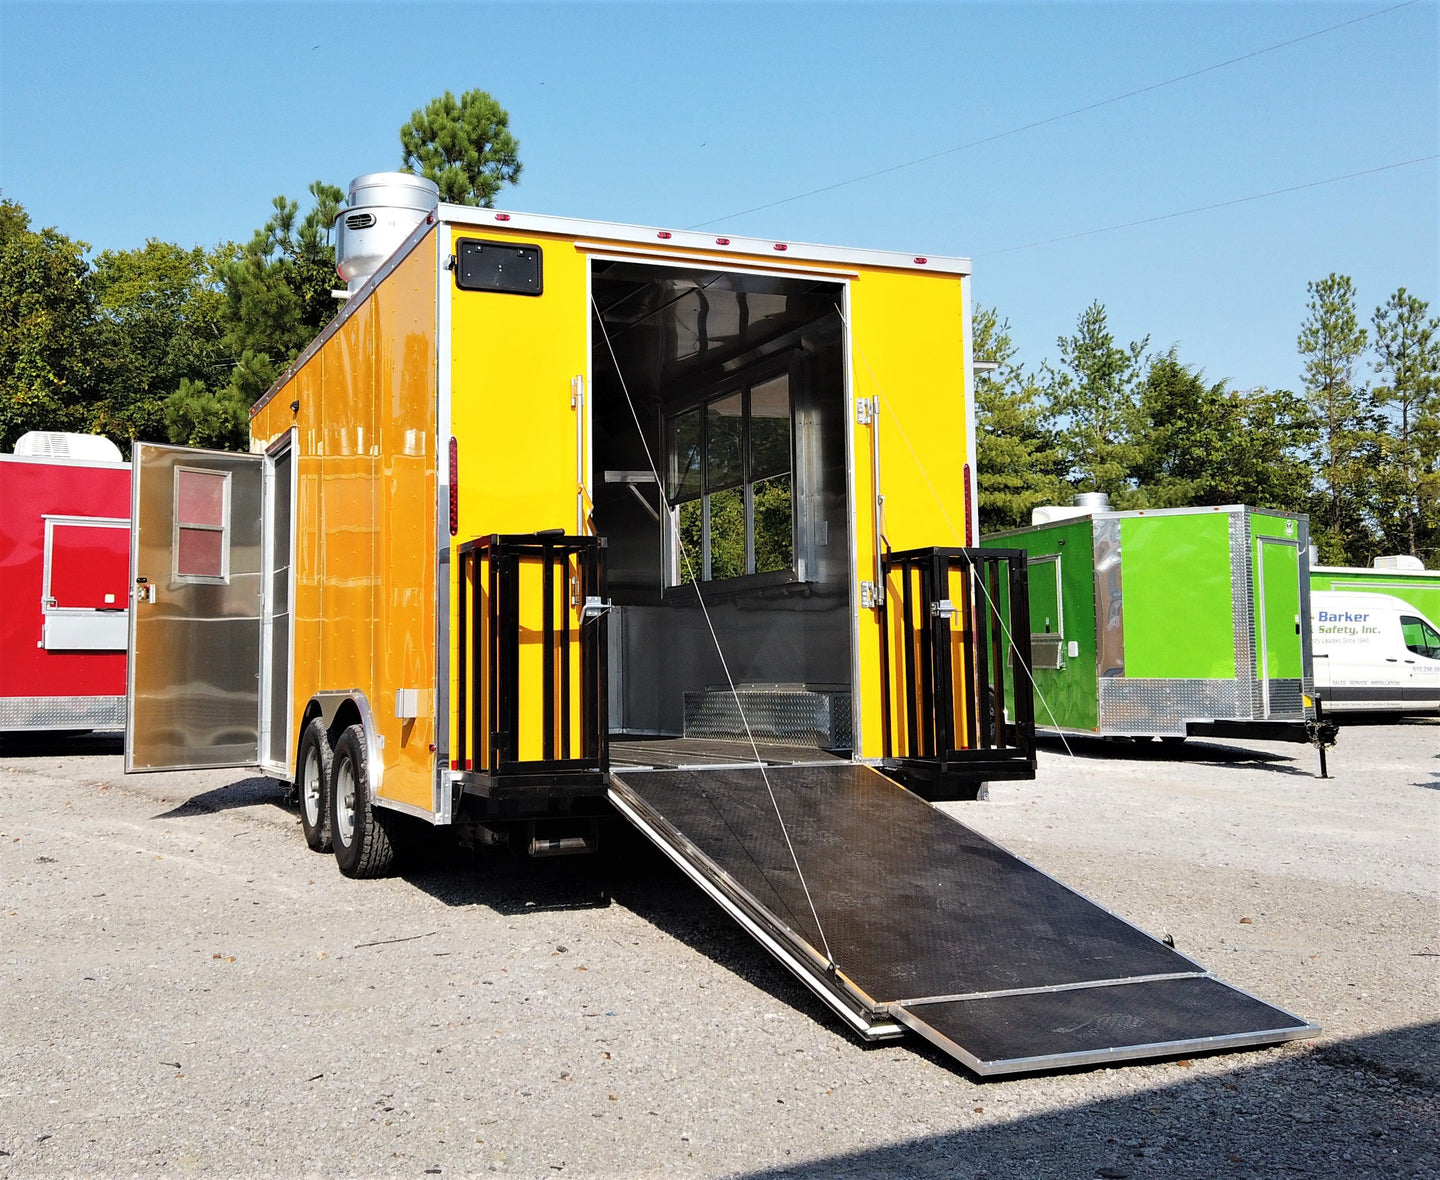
{"x": 454, "y": 486}
{"x": 921, "y": 261}
{"x": 722, "y": 241}
{"x": 502, "y": 217}
{"x": 664, "y": 233}
{"x": 781, "y": 246}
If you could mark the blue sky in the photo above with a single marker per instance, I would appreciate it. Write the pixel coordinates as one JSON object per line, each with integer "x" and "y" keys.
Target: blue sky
{"x": 123, "y": 121}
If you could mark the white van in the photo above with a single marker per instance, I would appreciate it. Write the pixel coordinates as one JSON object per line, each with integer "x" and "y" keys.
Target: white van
{"x": 1373, "y": 652}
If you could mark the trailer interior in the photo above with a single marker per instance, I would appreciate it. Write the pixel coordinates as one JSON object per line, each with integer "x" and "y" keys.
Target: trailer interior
{"x": 729, "y": 386}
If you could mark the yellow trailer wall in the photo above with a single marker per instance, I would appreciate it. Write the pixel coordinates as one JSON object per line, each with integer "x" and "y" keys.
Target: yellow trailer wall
{"x": 365, "y": 543}
{"x": 513, "y": 361}
{"x": 907, "y": 353}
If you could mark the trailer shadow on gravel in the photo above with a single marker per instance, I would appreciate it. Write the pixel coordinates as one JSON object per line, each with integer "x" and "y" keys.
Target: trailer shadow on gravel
{"x": 627, "y": 871}
{"x": 1201, "y": 752}
{"x": 1347, "y": 1108}
{"x": 250, "y": 792}
{"x": 60, "y": 744}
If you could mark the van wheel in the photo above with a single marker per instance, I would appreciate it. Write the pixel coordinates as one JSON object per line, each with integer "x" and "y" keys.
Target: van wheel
{"x": 312, "y": 782}
{"x": 361, "y": 834}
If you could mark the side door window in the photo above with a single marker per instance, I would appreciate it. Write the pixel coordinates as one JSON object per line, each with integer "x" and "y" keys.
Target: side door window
{"x": 1420, "y": 637}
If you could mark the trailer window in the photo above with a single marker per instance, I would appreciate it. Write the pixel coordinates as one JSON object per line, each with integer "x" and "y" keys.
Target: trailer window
{"x": 730, "y": 483}
{"x": 202, "y": 525}
{"x": 1420, "y": 637}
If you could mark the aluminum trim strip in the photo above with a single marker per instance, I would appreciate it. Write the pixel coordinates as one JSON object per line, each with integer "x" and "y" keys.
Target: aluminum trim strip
{"x": 443, "y": 798}
{"x": 410, "y": 809}
{"x": 681, "y": 239}
{"x": 1078, "y": 986}
{"x": 55, "y": 461}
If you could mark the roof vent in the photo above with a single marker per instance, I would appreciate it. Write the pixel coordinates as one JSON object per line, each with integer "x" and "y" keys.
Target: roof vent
{"x": 383, "y": 209}
{"x": 1400, "y": 561}
{"x": 57, "y": 444}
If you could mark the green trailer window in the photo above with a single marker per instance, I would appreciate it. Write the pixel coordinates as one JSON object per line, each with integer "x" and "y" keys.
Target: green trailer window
{"x": 1047, "y": 622}
{"x": 1420, "y": 637}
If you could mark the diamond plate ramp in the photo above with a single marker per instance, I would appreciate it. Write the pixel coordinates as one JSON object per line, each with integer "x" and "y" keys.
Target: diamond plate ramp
{"x": 924, "y": 923}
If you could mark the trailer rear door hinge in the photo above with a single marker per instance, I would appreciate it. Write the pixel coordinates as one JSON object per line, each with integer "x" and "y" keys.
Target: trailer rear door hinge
{"x": 870, "y": 596}
{"x": 864, "y": 410}
{"x": 943, "y": 608}
{"x": 595, "y": 607}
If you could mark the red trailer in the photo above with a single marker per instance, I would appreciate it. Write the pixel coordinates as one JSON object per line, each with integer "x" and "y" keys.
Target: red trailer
{"x": 64, "y": 584}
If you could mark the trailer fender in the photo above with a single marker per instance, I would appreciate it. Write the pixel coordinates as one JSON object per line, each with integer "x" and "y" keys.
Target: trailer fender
{"x": 339, "y": 711}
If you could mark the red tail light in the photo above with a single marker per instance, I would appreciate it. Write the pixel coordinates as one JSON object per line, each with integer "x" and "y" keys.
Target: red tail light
{"x": 969, "y": 505}
{"x": 454, "y": 486}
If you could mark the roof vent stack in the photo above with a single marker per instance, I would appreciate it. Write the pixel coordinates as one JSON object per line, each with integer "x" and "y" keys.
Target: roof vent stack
{"x": 383, "y": 208}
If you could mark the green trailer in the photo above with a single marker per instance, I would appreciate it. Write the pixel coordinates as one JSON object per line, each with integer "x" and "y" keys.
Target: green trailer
{"x": 1169, "y": 623}
{"x": 1404, "y": 578}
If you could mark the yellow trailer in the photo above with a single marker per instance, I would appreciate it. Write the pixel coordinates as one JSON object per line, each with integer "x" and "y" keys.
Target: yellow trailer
{"x": 560, "y": 519}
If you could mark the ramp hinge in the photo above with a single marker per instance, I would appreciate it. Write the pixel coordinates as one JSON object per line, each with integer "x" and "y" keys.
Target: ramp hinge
{"x": 595, "y": 607}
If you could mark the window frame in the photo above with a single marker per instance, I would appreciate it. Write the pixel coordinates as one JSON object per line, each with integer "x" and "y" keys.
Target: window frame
{"x": 743, "y": 383}
{"x": 177, "y": 525}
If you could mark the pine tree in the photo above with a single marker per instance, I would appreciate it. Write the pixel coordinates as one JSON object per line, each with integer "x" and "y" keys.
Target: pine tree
{"x": 1407, "y": 345}
{"x": 465, "y": 147}
{"x": 1018, "y": 454}
{"x": 1332, "y": 341}
{"x": 1095, "y": 393}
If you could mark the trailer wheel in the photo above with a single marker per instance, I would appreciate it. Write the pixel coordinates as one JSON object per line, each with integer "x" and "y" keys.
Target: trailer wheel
{"x": 360, "y": 832}
{"x": 312, "y": 783}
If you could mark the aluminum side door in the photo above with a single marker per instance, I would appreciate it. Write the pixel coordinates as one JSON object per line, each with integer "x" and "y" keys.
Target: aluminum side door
{"x": 196, "y": 566}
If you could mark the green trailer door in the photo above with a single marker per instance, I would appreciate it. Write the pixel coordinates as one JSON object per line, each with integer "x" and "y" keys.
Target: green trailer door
{"x": 1278, "y": 653}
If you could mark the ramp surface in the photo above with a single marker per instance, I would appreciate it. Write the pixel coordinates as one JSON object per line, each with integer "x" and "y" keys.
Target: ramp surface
{"x": 926, "y": 924}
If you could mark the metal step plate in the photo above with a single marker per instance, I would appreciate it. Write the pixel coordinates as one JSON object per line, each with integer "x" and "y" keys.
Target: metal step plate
{"x": 1126, "y": 1021}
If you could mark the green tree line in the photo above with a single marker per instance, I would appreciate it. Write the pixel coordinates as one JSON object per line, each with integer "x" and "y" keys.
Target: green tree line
{"x": 1356, "y": 447}
{"x": 174, "y": 344}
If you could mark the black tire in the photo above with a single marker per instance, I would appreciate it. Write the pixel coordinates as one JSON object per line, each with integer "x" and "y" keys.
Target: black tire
{"x": 312, "y": 785}
{"x": 360, "y": 833}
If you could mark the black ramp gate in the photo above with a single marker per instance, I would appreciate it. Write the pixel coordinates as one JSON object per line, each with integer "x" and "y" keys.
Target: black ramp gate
{"x": 925, "y": 923}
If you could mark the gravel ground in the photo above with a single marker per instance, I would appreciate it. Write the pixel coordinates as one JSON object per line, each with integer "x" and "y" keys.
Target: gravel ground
{"x": 185, "y": 989}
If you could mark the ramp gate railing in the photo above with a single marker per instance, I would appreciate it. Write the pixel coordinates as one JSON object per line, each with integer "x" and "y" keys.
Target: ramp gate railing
{"x": 531, "y": 685}
{"x": 956, "y": 687}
